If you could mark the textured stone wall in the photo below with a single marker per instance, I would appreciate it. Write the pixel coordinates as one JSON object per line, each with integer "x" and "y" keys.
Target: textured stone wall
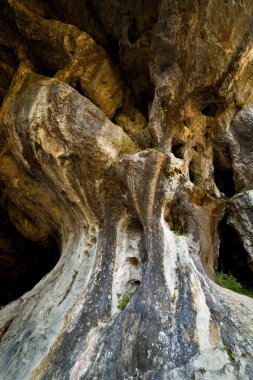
{"x": 126, "y": 140}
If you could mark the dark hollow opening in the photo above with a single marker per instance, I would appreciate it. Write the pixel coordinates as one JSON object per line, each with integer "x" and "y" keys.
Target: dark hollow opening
{"x": 233, "y": 258}
{"x": 133, "y": 33}
{"x": 8, "y": 65}
{"x": 214, "y": 109}
{"x": 143, "y": 99}
{"x": 23, "y": 262}
{"x": 113, "y": 49}
{"x": 210, "y": 110}
{"x": 192, "y": 173}
{"x": 223, "y": 170}
{"x": 178, "y": 149}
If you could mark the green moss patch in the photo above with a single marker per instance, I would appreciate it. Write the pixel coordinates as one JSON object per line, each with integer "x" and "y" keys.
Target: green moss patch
{"x": 230, "y": 282}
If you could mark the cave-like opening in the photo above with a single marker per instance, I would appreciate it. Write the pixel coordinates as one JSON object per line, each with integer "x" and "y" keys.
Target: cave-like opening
{"x": 233, "y": 259}
{"x": 214, "y": 109}
{"x": 223, "y": 170}
{"x": 210, "y": 110}
{"x": 23, "y": 262}
{"x": 178, "y": 149}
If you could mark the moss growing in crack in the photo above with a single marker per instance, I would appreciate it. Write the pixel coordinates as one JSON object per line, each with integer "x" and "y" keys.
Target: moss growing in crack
{"x": 180, "y": 233}
{"x": 239, "y": 104}
{"x": 230, "y": 352}
{"x": 124, "y": 299}
{"x": 174, "y": 298}
{"x": 176, "y": 232}
{"x": 245, "y": 189}
{"x": 156, "y": 148}
{"x": 198, "y": 172}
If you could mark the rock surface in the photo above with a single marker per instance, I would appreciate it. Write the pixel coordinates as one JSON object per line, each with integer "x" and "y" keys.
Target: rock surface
{"x": 125, "y": 138}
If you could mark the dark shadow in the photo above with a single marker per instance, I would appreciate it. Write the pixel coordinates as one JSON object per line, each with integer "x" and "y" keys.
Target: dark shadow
{"x": 192, "y": 173}
{"x": 223, "y": 170}
{"x": 23, "y": 262}
{"x": 133, "y": 32}
{"x": 233, "y": 259}
{"x": 178, "y": 149}
{"x": 214, "y": 108}
{"x": 143, "y": 99}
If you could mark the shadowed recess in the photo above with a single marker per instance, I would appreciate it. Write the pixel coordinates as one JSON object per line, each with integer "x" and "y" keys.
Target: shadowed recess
{"x": 233, "y": 258}
{"x": 23, "y": 262}
{"x": 223, "y": 170}
{"x": 178, "y": 149}
{"x": 214, "y": 108}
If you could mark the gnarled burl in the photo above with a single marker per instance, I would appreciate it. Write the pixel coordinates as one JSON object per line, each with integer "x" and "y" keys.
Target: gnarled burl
{"x": 126, "y": 176}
